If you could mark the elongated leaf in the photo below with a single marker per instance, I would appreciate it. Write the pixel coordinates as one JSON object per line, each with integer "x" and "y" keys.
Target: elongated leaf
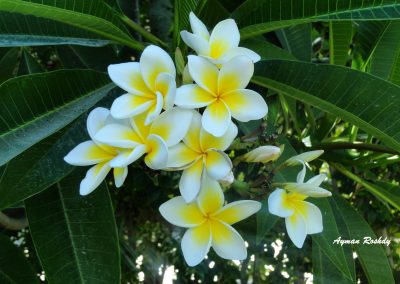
{"x": 359, "y": 98}
{"x": 266, "y": 49}
{"x": 33, "y": 107}
{"x": 265, "y": 221}
{"x": 391, "y": 191}
{"x": 368, "y": 36}
{"x": 28, "y": 64}
{"x": 297, "y": 40}
{"x": 8, "y": 64}
{"x": 340, "y": 35}
{"x": 14, "y": 266}
{"x": 261, "y": 16}
{"x": 372, "y": 257}
{"x": 26, "y": 30}
{"x": 75, "y": 237}
{"x": 89, "y": 15}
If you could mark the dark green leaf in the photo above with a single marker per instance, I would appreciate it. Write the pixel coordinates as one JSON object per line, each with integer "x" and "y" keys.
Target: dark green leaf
{"x": 75, "y": 237}
{"x": 14, "y": 266}
{"x": 261, "y": 16}
{"x": 372, "y": 106}
{"x": 8, "y": 64}
{"x": 28, "y": 64}
{"x": 266, "y": 49}
{"x": 340, "y": 36}
{"x": 265, "y": 221}
{"x": 297, "y": 40}
{"x": 30, "y": 111}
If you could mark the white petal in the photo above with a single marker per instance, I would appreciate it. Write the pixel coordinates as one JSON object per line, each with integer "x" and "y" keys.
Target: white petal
{"x": 312, "y": 216}
{"x": 196, "y": 42}
{"x": 87, "y": 153}
{"x": 277, "y": 204}
{"x": 118, "y": 135}
{"x": 245, "y": 105}
{"x": 181, "y": 155}
{"x": 235, "y": 74}
{"x": 182, "y": 214}
{"x": 227, "y": 242}
{"x": 211, "y": 197}
{"x": 296, "y": 228}
{"x": 306, "y": 189}
{"x": 153, "y": 62}
{"x": 304, "y": 157}
{"x": 224, "y": 36}
{"x": 196, "y": 243}
{"x": 128, "y": 77}
{"x": 240, "y": 51}
{"x": 166, "y": 85}
{"x": 96, "y": 120}
{"x": 317, "y": 180}
{"x": 128, "y": 105}
{"x": 189, "y": 184}
{"x": 204, "y": 73}
{"x": 301, "y": 175}
{"x": 155, "y": 110}
{"x": 216, "y": 118}
{"x": 237, "y": 211}
{"x": 198, "y": 27}
{"x": 218, "y": 164}
{"x": 172, "y": 125}
{"x": 157, "y": 155}
{"x": 127, "y": 157}
{"x": 94, "y": 176}
{"x": 120, "y": 175}
{"x": 193, "y": 96}
{"x": 222, "y": 143}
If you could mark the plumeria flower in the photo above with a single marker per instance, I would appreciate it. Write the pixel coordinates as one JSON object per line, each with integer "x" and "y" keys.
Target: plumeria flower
{"x": 152, "y": 140}
{"x": 201, "y": 154}
{"x": 95, "y": 153}
{"x": 303, "y": 158}
{"x": 219, "y": 47}
{"x": 208, "y": 223}
{"x": 222, "y": 92}
{"x": 150, "y": 84}
{"x": 263, "y": 154}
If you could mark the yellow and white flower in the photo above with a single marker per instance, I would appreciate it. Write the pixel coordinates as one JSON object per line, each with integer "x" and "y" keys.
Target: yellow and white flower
{"x": 262, "y": 154}
{"x": 150, "y": 84}
{"x": 95, "y": 153}
{"x": 152, "y": 140}
{"x": 219, "y": 47}
{"x": 208, "y": 223}
{"x": 222, "y": 92}
{"x": 201, "y": 154}
{"x": 301, "y": 217}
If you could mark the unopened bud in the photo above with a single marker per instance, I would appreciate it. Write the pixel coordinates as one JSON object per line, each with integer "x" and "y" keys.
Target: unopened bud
{"x": 263, "y": 154}
{"x": 303, "y": 158}
{"x": 186, "y": 77}
{"x": 228, "y": 180}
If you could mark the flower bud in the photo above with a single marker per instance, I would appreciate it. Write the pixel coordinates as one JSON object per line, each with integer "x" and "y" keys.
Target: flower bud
{"x": 228, "y": 179}
{"x": 263, "y": 154}
{"x": 303, "y": 158}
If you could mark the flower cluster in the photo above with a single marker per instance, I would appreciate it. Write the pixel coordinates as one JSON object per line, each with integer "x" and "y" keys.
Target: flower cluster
{"x": 188, "y": 128}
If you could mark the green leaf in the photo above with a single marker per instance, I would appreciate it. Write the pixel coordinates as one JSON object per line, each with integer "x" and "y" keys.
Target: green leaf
{"x": 391, "y": 191}
{"x": 261, "y": 16}
{"x": 297, "y": 40}
{"x": 266, "y": 49}
{"x": 28, "y": 64}
{"x": 340, "y": 36}
{"x": 30, "y": 111}
{"x": 89, "y": 15}
{"x": 265, "y": 221}
{"x": 8, "y": 64}
{"x": 372, "y": 257}
{"x": 25, "y": 30}
{"x": 75, "y": 237}
{"x": 368, "y": 36}
{"x": 372, "y": 106}
{"x": 14, "y": 266}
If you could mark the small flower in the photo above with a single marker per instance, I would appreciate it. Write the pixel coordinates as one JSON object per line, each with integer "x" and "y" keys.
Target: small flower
{"x": 301, "y": 217}
{"x": 200, "y": 154}
{"x": 208, "y": 223}
{"x": 303, "y": 158}
{"x": 222, "y": 92}
{"x": 262, "y": 154}
{"x": 150, "y": 84}
{"x": 153, "y": 140}
{"x": 219, "y": 47}
{"x": 93, "y": 152}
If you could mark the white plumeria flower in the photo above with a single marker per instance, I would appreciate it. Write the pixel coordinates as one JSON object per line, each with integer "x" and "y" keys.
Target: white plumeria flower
{"x": 153, "y": 140}
{"x": 263, "y": 154}
{"x": 219, "y": 47}
{"x": 200, "y": 154}
{"x": 208, "y": 223}
{"x": 150, "y": 84}
{"x": 222, "y": 92}
{"x": 95, "y": 153}
{"x": 301, "y": 217}
{"x": 303, "y": 158}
